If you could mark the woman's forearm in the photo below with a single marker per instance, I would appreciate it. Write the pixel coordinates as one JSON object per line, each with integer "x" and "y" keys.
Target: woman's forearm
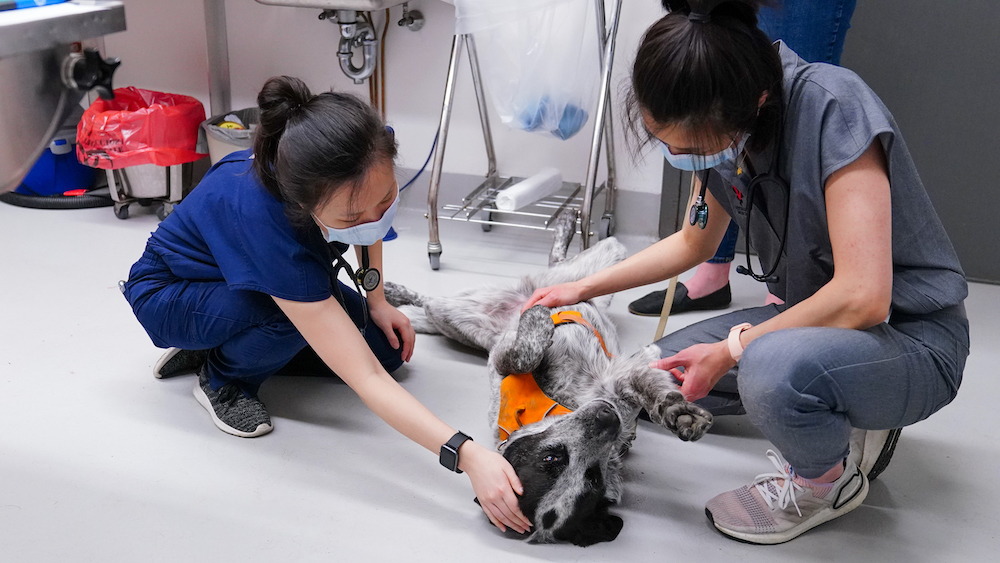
{"x": 835, "y": 305}
{"x": 401, "y": 410}
{"x": 332, "y": 334}
{"x": 667, "y": 258}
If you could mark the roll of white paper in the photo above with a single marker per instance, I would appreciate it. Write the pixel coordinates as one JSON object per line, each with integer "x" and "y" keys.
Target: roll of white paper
{"x": 543, "y": 184}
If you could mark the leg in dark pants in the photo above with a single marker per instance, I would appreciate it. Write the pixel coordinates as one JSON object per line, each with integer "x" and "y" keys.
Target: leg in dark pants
{"x": 248, "y": 336}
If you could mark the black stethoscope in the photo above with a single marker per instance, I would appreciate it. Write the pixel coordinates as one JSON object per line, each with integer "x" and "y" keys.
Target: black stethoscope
{"x": 699, "y": 211}
{"x": 365, "y": 277}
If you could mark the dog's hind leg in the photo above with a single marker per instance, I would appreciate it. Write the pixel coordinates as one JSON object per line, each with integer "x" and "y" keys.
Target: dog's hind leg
{"x": 522, "y": 351}
{"x": 565, "y": 228}
{"x": 475, "y": 317}
{"x": 398, "y": 295}
{"x": 411, "y": 304}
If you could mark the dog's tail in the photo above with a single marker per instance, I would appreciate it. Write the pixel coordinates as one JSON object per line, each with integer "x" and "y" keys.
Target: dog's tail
{"x": 398, "y": 295}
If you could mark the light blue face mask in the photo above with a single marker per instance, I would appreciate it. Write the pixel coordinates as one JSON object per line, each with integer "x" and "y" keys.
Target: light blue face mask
{"x": 365, "y": 234}
{"x": 693, "y": 162}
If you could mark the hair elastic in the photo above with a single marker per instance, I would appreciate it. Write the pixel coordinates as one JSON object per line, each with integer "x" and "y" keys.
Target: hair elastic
{"x": 698, "y": 17}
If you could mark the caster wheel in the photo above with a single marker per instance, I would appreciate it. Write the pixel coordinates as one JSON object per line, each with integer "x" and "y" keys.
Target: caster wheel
{"x": 163, "y": 210}
{"x": 487, "y": 227}
{"x": 435, "y": 261}
{"x": 121, "y": 211}
{"x": 145, "y": 202}
{"x": 607, "y": 228}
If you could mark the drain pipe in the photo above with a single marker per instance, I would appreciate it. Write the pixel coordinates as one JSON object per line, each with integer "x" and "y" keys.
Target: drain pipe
{"x": 356, "y": 34}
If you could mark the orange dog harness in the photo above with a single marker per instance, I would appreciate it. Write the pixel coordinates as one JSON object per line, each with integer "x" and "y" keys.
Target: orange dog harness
{"x": 522, "y": 402}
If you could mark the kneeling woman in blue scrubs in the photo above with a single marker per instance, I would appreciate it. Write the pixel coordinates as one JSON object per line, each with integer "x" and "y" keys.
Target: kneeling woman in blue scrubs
{"x": 244, "y": 268}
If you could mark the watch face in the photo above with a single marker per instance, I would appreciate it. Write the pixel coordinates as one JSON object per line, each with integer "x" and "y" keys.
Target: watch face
{"x": 449, "y": 458}
{"x": 370, "y": 279}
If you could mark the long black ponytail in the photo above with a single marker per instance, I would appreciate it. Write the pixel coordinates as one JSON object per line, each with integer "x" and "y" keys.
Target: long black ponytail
{"x": 704, "y": 66}
{"x": 308, "y": 147}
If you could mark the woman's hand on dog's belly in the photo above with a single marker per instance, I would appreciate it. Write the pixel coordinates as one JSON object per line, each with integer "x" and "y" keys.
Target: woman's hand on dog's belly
{"x": 494, "y": 482}
{"x": 555, "y": 296}
{"x": 704, "y": 365}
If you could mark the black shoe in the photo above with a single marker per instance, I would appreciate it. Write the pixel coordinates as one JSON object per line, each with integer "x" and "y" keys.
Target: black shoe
{"x": 652, "y": 304}
{"x": 232, "y": 410}
{"x": 176, "y": 361}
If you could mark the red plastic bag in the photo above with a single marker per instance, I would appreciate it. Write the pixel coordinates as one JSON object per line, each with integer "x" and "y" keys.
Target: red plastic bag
{"x": 140, "y": 127}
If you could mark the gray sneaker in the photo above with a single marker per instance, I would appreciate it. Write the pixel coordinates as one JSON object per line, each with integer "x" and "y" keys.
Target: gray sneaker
{"x": 232, "y": 411}
{"x": 176, "y": 361}
{"x": 871, "y": 450}
{"x": 778, "y": 507}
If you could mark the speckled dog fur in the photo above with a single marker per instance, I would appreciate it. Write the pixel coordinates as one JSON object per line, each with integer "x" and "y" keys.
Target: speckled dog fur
{"x": 570, "y": 465}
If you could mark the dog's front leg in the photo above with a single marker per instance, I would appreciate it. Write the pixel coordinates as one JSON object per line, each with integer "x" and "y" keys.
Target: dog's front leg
{"x": 655, "y": 391}
{"x": 522, "y": 351}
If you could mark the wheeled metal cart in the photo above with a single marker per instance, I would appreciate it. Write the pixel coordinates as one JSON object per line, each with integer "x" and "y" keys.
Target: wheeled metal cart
{"x": 147, "y": 184}
{"x": 574, "y": 198}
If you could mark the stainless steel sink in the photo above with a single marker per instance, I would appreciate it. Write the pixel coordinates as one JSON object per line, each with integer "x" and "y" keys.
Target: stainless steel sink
{"x": 360, "y": 5}
{"x": 38, "y": 85}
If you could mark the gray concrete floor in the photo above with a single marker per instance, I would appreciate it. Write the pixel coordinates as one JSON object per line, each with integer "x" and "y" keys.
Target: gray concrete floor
{"x": 101, "y": 462}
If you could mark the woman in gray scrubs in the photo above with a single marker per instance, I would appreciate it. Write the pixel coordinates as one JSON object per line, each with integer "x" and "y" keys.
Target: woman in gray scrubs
{"x": 873, "y": 333}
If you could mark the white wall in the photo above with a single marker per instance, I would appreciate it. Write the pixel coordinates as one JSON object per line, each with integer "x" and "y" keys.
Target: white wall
{"x": 164, "y": 49}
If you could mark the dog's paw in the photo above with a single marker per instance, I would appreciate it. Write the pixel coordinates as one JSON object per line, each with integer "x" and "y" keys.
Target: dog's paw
{"x": 687, "y": 420}
{"x": 398, "y": 295}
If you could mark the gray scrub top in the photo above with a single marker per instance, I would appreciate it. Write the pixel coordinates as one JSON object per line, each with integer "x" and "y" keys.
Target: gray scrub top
{"x": 832, "y": 117}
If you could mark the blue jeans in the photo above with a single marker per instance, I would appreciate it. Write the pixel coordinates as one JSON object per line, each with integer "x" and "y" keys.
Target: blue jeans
{"x": 815, "y": 30}
{"x": 805, "y": 388}
{"x": 727, "y": 248}
{"x": 248, "y": 337}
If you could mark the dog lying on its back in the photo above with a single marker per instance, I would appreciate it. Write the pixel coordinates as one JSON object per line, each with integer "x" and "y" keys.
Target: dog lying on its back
{"x": 570, "y": 465}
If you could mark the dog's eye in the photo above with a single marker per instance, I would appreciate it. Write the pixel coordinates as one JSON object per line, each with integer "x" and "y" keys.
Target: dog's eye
{"x": 551, "y": 458}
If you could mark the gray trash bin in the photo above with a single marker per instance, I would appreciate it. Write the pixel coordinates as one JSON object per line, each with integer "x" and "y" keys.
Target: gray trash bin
{"x": 220, "y": 141}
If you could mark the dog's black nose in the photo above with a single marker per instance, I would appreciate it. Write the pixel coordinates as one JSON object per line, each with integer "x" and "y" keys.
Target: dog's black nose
{"x": 606, "y": 415}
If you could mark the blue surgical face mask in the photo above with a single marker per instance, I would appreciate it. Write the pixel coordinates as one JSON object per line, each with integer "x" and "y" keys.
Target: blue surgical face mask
{"x": 693, "y": 162}
{"x": 365, "y": 234}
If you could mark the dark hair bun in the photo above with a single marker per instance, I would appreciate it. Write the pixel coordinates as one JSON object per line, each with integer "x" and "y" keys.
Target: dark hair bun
{"x": 279, "y": 99}
{"x": 743, "y": 10}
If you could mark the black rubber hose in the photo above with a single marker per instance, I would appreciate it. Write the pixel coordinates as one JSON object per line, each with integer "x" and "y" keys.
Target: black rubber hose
{"x": 56, "y": 202}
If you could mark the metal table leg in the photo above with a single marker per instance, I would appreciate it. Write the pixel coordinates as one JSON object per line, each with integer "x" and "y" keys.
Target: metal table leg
{"x": 607, "y": 225}
{"x": 599, "y": 125}
{"x": 484, "y": 116}
{"x": 434, "y": 242}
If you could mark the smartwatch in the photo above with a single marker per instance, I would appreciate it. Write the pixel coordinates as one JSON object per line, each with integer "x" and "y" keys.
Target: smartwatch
{"x": 449, "y": 451}
{"x": 735, "y": 346}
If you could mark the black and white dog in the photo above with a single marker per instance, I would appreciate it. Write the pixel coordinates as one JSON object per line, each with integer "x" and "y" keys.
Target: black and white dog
{"x": 570, "y": 465}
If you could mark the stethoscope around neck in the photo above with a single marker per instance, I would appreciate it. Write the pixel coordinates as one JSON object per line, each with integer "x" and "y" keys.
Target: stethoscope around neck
{"x": 364, "y": 278}
{"x": 699, "y": 211}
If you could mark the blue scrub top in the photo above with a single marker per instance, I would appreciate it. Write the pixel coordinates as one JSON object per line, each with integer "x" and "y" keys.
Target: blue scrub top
{"x": 230, "y": 228}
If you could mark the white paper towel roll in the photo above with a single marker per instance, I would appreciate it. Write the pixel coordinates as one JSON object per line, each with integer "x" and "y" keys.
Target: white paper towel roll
{"x": 543, "y": 184}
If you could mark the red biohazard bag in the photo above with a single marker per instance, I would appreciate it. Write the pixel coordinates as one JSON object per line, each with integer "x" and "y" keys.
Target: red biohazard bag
{"x": 140, "y": 127}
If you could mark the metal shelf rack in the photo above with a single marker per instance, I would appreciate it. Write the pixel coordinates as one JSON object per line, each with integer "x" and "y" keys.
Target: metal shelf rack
{"x": 576, "y": 198}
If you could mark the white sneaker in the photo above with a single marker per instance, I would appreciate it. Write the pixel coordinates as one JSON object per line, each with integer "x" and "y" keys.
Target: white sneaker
{"x": 871, "y": 450}
{"x": 778, "y": 507}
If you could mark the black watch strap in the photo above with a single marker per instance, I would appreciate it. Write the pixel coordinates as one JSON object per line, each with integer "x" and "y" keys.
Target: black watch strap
{"x": 449, "y": 451}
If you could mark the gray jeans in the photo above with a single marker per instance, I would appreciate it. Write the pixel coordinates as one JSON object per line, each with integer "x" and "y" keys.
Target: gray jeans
{"x": 805, "y": 388}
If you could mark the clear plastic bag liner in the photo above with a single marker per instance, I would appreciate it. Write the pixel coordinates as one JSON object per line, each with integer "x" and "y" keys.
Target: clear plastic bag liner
{"x": 539, "y": 59}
